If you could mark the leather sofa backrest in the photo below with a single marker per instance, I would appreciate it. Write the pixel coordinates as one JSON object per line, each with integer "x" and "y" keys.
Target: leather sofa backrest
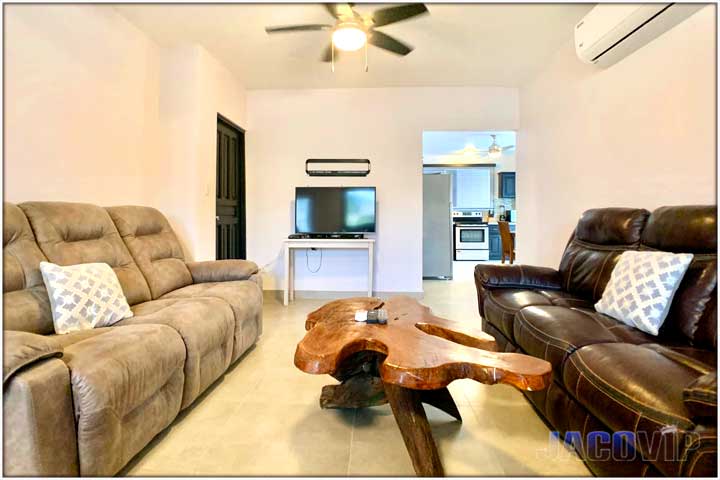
{"x": 26, "y": 306}
{"x": 72, "y": 233}
{"x": 689, "y": 229}
{"x": 154, "y": 246}
{"x": 600, "y": 237}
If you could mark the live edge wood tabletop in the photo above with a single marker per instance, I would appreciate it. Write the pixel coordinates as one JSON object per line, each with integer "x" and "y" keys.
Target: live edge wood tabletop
{"x": 407, "y": 362}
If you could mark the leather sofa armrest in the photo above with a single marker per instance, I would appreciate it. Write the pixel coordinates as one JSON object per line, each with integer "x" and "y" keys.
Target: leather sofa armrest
{"x": 517, "y": 276}
{"x": 222, "y": 270}
{"x": 700, "y": 396}
{"x": 23, "y": 348}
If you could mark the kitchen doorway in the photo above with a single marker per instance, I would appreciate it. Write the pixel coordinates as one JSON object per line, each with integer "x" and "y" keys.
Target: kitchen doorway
{"x": 469, "y": 181}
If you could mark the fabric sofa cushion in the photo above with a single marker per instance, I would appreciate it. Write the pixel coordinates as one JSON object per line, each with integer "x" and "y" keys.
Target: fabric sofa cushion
{"x": 502, "y": 304}
{"x": 21, "y": 349}
{"x": 73, "y": 233}
{"x": 84, "y": 296}
{"x": 554, "y": 332}
{"x": 600, "y": 236}
{"x": 26, "y": 305}
{"x": 127, "y": 387}
{"x": 245, "y": 297}
{"x": 222, "y": 270}
{"x": 206, "y": 327}
{"x": 636, "y": 388}
{"x": 154, "y": 246}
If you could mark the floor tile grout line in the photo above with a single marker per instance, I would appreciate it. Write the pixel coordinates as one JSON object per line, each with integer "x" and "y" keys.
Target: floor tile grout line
{"x": 352, "y": 437}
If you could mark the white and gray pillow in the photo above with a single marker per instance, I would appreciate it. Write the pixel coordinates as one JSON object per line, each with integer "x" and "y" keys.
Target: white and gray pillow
{"x": 84, "y": 296}
{"x": 641, "y": 288}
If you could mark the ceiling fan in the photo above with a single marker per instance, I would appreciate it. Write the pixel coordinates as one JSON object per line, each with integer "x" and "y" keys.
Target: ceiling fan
{"x": 353, "y": 30}
{"x": 495, "y": 150}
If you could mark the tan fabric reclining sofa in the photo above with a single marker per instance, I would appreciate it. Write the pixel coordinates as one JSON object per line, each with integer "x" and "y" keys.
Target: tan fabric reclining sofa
{"x": 85, "y": 403}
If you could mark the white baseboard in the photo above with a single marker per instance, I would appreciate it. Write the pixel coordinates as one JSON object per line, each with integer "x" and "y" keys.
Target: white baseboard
{"x": 277, "y": 295}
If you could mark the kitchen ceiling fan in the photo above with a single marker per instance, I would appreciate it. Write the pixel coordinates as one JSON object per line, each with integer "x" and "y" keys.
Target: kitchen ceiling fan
{"x": 352, "y": 30}
{"x": 495, "y": 150}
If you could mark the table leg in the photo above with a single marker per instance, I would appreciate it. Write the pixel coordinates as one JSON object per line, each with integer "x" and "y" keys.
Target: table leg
{"x": 286, "y": 280}
{"x": 411, "y": 419}
{"x": 291, "y": 281}
{"x": 371, "y": 263}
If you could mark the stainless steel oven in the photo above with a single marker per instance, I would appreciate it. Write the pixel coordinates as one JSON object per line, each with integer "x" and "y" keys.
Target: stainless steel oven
{"x": 472, "y": 242}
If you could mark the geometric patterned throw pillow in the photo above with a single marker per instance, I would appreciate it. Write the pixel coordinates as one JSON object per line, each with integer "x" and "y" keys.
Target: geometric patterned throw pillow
{"x": 641, "y": 288}
{"x": 84, "y": 296}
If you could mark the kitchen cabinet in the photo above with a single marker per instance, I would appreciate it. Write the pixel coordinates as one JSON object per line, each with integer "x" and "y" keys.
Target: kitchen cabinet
{"x": 506, "y": 183}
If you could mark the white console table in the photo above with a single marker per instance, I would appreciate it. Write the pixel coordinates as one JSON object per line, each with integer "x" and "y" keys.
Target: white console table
{"x": 321, "y": 243}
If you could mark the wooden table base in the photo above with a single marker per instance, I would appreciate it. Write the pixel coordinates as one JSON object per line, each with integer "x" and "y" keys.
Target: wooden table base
{"x": 362, "y": 387}
{"x": 407, "y": 362}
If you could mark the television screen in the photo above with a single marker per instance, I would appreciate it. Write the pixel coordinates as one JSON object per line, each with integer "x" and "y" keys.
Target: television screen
{"x": 334, "y": 209}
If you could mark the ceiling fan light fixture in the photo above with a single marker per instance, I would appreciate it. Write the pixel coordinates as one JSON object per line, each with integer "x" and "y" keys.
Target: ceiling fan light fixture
{"x": 494, "y": 150}
{"x": 349, "y": 37}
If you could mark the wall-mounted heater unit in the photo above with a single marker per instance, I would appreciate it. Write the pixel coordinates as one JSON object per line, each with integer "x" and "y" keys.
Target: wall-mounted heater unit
{"x": 612, "y": 31}
{"x": 316, "y": 167}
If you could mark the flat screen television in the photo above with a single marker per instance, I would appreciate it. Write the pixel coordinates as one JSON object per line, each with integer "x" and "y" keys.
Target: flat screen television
{"x": 334, "y": 210}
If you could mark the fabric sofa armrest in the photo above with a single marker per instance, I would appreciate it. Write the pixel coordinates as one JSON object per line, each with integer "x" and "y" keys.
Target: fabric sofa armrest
{"x": 517, "y": 276}
{"x": 700, "y": 396}
{"x": 23, "y": 348}
{"x": 222, "y": 270}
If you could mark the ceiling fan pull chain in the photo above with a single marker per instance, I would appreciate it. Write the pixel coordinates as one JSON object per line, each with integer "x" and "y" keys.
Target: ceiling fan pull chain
{"x": 332, "y": 54}
{"x": 366, "y": 57}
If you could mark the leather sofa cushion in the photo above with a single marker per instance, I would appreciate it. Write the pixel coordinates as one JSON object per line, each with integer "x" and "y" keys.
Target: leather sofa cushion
{"x": 611, "y": 226}
{"x": 700, "y": 396}
{"x": 154, "y": 246}
{"x": 115, "y": 377}
{"x": 72, "y": 233}
{"x": 245, "y": 297}
{"x": 682, "y": 229}
{"x": 689, "y": 229}
{"x": 26, "y": 306}
{"x": 206, "y": 326}
{"x": 636, "y": 388}
{"x": 600, "y": 236}
{"x": 501, "y": 304}
{"x": 554, "y": 332}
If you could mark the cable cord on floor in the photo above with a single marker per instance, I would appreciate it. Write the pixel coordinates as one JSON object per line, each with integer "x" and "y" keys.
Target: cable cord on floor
{"x": 307, "y": 262}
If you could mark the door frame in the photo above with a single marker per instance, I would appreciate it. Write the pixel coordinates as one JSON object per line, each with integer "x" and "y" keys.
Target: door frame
{"x": 241, "y": 181}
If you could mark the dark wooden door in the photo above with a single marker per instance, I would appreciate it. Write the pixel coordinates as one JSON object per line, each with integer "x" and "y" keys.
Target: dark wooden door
{"x": 230, "y": 197}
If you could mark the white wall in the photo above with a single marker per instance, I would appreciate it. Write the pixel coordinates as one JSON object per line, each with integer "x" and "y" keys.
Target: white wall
{"x": 285, "y": 127}
{"x": 640, "y": 133}
{"x": 81, "y": 105}
{"x": 97, "y": 112}
{"x": 195, "y": 88}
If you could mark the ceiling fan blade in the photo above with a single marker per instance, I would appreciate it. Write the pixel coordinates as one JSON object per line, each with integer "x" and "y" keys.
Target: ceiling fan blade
{"x": 298, "y": 28}
{"x": 508, "y": 147}
{"x": 386, "y": 16}
{"x": 386, "y": 42}
{"x": 340, "y": 9}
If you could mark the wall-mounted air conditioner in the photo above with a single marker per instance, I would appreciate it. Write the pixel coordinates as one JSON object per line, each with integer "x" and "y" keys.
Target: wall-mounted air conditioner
{"x": 610, "y": 32}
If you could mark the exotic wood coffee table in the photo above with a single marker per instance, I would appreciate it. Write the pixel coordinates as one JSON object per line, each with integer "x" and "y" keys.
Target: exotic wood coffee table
{"x": 409, "y": 361}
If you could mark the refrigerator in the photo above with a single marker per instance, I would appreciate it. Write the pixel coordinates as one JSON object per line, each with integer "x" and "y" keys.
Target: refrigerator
{"x": 437, "y": 226}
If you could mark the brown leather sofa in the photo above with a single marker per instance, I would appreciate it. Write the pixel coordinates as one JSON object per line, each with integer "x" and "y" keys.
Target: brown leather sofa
{"x": 86, "y": 402}
{"x": 609, "y": 378}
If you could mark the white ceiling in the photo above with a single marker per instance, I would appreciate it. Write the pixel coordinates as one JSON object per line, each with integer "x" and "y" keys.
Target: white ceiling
{"x": 455, "y": 45}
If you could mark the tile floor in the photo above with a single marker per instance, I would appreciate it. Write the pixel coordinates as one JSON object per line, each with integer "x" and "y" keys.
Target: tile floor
{"x": 263, "y": 418}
